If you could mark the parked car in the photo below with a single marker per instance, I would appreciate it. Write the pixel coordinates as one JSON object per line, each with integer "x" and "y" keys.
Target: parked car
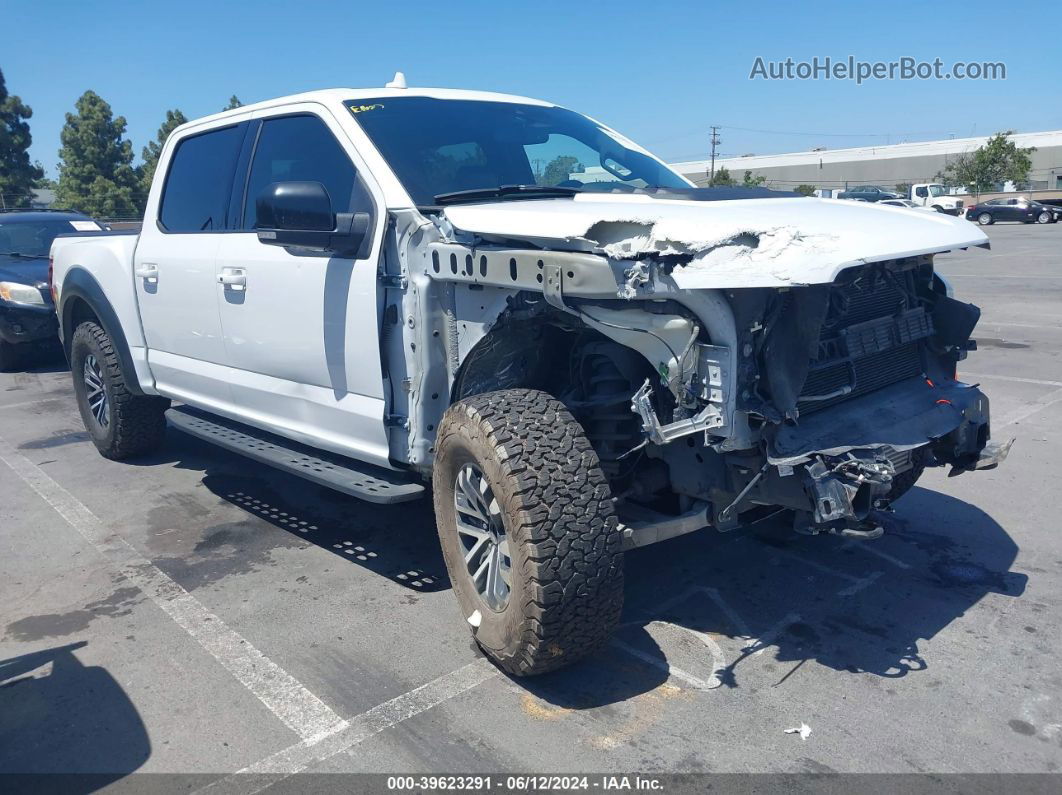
{"x": 868, "y": 193}
{"x": 906, "y": 203}
{"x": 1018, "y": 208}
{"x": 377, "y": 290}
{"x": 27, "y": 314}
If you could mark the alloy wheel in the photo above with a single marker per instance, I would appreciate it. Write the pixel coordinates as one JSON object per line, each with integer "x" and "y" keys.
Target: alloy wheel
{"x": 96, "y": 391}
{"x": 482, "y": 535}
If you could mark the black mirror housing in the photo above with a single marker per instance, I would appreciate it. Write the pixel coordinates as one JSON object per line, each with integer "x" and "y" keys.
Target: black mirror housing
{"x": 304, "y": 206}
{"x": 300, "y": 214}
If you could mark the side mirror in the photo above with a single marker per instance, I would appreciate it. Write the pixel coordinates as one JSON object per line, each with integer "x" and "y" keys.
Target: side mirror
{"x": 300, "y": 214}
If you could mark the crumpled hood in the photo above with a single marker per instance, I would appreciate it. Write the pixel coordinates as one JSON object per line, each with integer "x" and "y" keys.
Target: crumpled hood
{"x": 725, "y": 244}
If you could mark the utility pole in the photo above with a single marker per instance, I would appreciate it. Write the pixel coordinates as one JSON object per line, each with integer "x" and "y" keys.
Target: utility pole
{"x": 715, "y": 143}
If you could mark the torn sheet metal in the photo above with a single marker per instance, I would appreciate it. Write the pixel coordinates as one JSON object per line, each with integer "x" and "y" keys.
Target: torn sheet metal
{"x": 725, "y": 244}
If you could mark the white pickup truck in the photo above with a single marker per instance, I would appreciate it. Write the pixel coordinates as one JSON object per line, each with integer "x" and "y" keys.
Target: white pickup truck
{"x": 508, "y": 305}
{"x": 936, "y": 197}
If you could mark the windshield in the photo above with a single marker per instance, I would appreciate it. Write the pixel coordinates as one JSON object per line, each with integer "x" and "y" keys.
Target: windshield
{"x": 936, "y": 190}
{"x": 440, "y": 146}
{"x": 34, "y": 238}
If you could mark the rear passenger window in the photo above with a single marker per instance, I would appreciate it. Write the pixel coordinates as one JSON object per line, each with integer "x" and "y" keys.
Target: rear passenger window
{"x": 302, "y": 148}
{"x": 196, "y": 195}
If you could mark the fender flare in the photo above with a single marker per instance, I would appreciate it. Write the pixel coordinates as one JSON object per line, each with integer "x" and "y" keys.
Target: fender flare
{"x": 79, "y": 283}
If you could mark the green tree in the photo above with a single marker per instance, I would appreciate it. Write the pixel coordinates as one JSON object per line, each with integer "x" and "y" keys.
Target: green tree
{"x": 44, "y": 182}
{"x": 18, "y": 176}
{"x": 999, "y": 160}
{"x": 151, "y": 152}
{"x": 903, "y": 188}
{"x": 96, "y": 172}
{"x": 234, "y": 102}
{"x": 559, "y": 169}
{"x": 721, "y": 178}
{"x": 805, "y": 190}
{"x": 750, "y": 181}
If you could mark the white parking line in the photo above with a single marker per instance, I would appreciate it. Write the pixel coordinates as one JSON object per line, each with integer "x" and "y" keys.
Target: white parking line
{"x": 1013, "y": 378}
{"x": 858, "y": 583}
{"x": 295, "y": 706}
{"x": 1008, "y": 324}
{"x": 718, "y": 661}
{"x": 728, "y": 611}
{"x": 300, "y": 756}
{"x": 758, "y": 646}
{"x": 866, "y": 546}
{"x": 21, "y": 405}
{"x": 1032, "y": 407}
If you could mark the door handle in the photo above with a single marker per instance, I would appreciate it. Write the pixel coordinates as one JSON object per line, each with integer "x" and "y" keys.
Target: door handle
{"x": 148, "y": 270}
{"x": 236, "y": 278}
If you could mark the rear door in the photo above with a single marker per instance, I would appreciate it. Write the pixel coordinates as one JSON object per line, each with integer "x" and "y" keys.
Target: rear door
{"x": 174, "y": 267}
{"x": 301, "y": 328}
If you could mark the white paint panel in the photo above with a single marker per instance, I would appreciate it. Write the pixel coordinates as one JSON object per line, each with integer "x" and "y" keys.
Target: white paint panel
{"x": 794, "y": 241}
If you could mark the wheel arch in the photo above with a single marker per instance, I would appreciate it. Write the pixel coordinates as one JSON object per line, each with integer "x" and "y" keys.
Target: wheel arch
{"x": 81, "y": 299}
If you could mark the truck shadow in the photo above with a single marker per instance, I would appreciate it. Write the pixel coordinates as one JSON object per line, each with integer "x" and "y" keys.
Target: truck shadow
{"x": 60, "y": 716}
{"x": 705, "y": 611}
{"x": 722, "y": 611}
{"x": 398, "y": 542}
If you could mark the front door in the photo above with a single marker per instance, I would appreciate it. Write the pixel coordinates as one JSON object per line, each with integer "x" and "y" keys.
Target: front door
{"x": 174, "y": 268}
{"x": 301, "y": 330}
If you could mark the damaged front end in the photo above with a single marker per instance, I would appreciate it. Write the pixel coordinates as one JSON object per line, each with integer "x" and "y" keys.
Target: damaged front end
{"x": 843, "y": 393}
{"x": 722, "y": 370}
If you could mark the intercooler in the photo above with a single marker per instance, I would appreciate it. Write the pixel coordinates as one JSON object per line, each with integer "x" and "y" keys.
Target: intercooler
{"x": 872, "y": 337}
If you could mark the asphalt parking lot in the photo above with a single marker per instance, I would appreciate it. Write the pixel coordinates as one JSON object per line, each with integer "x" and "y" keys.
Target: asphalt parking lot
{"x": 196, "y": 612}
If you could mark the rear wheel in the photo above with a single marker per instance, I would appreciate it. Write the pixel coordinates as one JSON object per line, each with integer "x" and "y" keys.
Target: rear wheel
{"x": 528, "y": 531}
{"x": 984, "y": 219}
{"x": 121, "y": 424}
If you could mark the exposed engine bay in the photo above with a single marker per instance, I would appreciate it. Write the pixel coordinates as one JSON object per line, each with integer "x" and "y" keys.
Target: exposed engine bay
{"x": 706, "y": 406}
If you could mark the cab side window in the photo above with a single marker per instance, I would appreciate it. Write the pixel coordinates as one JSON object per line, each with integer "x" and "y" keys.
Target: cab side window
{"x": 302, "y": 148}
{"x": 195, "y": 197}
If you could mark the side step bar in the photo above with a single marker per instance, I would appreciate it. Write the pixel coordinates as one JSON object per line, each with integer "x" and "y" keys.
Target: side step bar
{"x": 358, "y": 479}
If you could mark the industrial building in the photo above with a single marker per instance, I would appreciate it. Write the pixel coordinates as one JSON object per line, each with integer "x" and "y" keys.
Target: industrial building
{"x": 887, "y": 166}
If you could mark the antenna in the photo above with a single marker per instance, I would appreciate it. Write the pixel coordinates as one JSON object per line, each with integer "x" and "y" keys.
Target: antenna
{"x": 399, "y": 81}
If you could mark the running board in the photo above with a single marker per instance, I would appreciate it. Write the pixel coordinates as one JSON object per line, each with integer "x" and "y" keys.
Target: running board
{"x": 358, "y": 479}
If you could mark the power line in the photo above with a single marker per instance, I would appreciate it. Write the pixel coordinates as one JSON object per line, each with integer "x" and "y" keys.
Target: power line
{"x": 715, "y": 143}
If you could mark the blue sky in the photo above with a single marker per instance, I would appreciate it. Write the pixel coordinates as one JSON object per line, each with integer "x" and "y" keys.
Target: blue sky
{"x": 660, "y": 72}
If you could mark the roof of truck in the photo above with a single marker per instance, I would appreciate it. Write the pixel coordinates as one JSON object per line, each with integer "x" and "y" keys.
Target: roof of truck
{"x": 329, "y": 95}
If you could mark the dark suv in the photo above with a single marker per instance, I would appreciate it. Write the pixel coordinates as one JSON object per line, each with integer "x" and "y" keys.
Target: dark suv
{"x": 868, "y": 193}
{"x": 27, "y": 314}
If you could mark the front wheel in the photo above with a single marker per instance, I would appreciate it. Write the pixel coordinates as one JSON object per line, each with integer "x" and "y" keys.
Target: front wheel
{"x": 1043, "y": 218}
{"x": 121, "y": 423}
{"x": 528, "y": 530}
{"x": 984, "y": 219}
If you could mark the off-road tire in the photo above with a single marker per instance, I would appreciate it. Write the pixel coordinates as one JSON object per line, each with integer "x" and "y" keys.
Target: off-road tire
{"x": 137, "y": 423}
{"x": 9, "y": 356}
{"x": 564, "y": 541}
{"x": 905, "y": 481}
